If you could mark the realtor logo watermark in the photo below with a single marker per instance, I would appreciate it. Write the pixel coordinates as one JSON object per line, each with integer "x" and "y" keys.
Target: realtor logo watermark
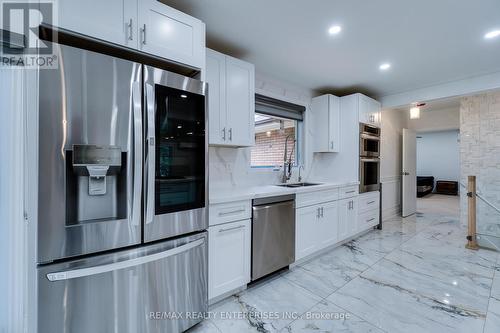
{"x": 21, "y": 45}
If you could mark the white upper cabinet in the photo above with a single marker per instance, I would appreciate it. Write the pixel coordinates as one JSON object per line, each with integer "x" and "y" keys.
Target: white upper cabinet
{"x": 147, "y": 25}
{"x": 171, "y": 34}
{"x": 111, "y": 20}
{"x": 231, "y": 96}
{"x": 326, "y": 123}
{"x": 369, "y": 111}
{"x": 216, "y": 78}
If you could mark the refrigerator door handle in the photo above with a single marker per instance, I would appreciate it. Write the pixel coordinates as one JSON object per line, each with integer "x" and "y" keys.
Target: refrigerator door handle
{"x": 94, "y": 270}
{"x": 150, "y": 180}
{"x": 137, "y": 189}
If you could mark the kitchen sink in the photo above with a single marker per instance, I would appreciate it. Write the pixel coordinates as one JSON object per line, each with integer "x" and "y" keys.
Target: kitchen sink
{"x": 298, "y": 184}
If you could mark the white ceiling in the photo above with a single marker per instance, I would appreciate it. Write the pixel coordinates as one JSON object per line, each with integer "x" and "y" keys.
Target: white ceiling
{"x": 427, "y": 42}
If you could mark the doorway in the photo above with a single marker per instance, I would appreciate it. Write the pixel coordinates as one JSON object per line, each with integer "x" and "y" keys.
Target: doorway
{"x": 431, "y": 160}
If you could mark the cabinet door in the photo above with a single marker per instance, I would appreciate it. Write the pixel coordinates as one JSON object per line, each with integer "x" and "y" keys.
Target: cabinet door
{"x": 333, "y": 124}
{"x": 369, "y": 110}
{"x": 343, "y": 211}
{"x": 348, "y": 218}
{"x": 329, "y": 224}
{"x": 216, "y": 78}
{"x": 240, "y": 102}
{"x": 171, "y": 34}
{"x": 111, "y": 20}
{"x": 320, "y": 116}
{"x": 326, "y": 123}
{"x": 352, "y": 218}
{"x": 307, "y": 231}
{"x": 229, "y": 257}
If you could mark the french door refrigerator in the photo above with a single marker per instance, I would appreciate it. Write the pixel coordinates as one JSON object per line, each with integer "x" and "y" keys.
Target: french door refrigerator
{"x": 122, "y": 196}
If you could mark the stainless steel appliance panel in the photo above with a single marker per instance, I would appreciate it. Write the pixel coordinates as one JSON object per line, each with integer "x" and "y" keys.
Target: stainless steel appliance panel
{"x": 273, "y": 234}
{"x": 91, "y": 99}
{"x": 369, "y": 174}
{"x": 176, "y": 163}
{"x": 128, "y": 292}
{"x": 369, "y": 141}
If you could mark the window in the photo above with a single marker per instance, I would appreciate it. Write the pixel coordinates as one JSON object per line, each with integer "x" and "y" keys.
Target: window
{"x": 277, "y": 124}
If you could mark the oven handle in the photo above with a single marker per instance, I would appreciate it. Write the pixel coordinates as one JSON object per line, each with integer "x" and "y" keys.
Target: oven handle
{"x": 364, "y": 159}
{"x": 370, "y": 137}
{"x": 137, "y": 189}
{"x": 150, "y": 163}
{"x": 99, "y": 269}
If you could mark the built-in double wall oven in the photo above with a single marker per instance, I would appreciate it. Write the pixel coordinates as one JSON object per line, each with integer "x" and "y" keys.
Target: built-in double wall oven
{"x": 369, "y": 158}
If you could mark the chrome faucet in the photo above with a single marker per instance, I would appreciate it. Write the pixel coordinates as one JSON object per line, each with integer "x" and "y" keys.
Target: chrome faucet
{"x": 300, "y": 176}
{"x": 287, "y": 163}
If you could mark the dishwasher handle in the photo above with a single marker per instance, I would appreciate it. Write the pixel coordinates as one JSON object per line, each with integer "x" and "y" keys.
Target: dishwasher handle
{"x": 273, "y": 205}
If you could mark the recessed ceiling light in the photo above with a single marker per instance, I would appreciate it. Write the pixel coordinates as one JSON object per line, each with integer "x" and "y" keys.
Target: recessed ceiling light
{"x": 492, "y": 34}
{"x": 184, "y": 96}
{"x": 334, "y": 29}
{"x": 385, "y": 66}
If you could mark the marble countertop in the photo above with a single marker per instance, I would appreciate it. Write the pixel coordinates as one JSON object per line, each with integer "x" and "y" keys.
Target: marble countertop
{"x": 222, "y": 195}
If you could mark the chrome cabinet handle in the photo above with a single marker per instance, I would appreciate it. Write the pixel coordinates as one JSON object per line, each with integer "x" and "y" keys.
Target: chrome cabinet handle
{"x": 349, "y": 192}
{"x": 224, "y": 134}
{"x": 318, "y": 215}
{"x": 331, "y": 145}
{"x": 370, "y": 202}
{"x": 144, "y": 34}
{"x": 322, "y": 212}
{"x": 149, "y": 96}
{"x": 94, "y": 270}
{"x": 231, "y": 212}
{"x": 130, "y": 31}
{"x": 370, "y": 219}
{"x": 231, "y": 134}
{"x": 233, "y": 228}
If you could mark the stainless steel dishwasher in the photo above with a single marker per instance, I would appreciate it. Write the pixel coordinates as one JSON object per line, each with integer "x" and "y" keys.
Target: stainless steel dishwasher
{"x": 273, "y": 234}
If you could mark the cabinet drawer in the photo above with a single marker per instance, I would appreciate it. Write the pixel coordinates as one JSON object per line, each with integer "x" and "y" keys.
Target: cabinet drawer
{"x": 348, "y": 191}
{"x": 316, "y": 197}
{"x": 368, "y": 219}
{"x": 229, "y": 212}
{"x": 369, "y": 201}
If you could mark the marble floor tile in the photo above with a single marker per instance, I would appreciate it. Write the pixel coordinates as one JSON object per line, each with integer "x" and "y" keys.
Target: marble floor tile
{"x": 444, "y": 283}
{"x": 206, "y": 326}
{"x": 492, "y": 324}
{"x": 325, "y": 274}
{"x": 414, "y": 275}
{"x": 396, "y": 309}
{"x": 280, "y": 298}
{"x": 327, "y": 317}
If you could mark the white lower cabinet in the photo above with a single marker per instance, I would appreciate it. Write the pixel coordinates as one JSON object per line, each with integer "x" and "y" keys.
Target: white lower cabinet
{"x": 229, "y": 247}
{"x": 306, "y": 231}
{"x": 369, "y": 210}
{"x": 329, "y": 224}
{"x": 316, "y": 228}
{"x": 348, "y": 218}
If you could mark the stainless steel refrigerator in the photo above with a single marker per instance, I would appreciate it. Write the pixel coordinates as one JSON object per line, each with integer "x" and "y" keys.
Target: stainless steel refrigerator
{"x": 122, "y": 196}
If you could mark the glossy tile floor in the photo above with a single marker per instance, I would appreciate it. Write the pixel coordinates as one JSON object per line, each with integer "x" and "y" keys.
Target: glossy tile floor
{"x": 413, "y": 276}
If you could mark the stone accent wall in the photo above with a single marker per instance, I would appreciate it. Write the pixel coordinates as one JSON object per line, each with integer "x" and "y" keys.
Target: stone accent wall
{"x": 269, "y": 149}
{"x": 480, "y": 156}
